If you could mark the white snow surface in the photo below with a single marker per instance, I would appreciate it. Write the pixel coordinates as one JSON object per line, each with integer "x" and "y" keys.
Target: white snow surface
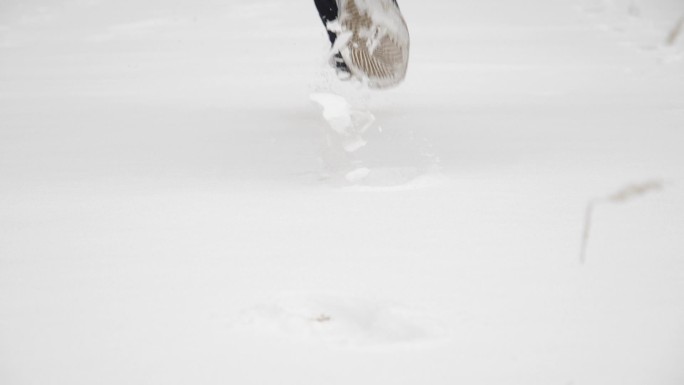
{"x": 175, "y": 209}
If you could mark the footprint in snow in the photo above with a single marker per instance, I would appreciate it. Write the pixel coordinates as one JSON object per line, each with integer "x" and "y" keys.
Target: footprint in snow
{"x": 343, "y": 322}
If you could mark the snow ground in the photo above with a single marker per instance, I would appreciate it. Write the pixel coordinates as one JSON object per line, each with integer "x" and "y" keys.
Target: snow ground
{"x": 175, "y": 209}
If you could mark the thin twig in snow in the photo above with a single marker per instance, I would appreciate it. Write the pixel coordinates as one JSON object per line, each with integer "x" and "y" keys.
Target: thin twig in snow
{"x": 588, "y": 215}
{"x": 626, "y": 194}
{"x": 636, "y": 190}
{"x": 676, "y": 31}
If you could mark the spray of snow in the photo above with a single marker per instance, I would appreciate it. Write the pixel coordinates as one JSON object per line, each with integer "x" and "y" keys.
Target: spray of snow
{"x": 371, "y": 168}
{"x": 348, "y": 123}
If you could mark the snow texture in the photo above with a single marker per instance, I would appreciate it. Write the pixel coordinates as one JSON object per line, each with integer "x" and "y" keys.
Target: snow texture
{"x": 337, "y": 321}
{"x": 189, "y": 195}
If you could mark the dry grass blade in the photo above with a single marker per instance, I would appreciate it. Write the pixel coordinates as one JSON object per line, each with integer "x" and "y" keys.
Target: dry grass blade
{"x": 635, "y": 191}
{"x": 676, "y": 31}
{"x": 588, "y": 215}
{"x": 628, "y": 193}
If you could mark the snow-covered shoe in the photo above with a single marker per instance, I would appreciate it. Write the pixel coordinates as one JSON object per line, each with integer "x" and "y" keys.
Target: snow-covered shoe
{"x": 376, "y": 45}
{"x": 341, "y": 68}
